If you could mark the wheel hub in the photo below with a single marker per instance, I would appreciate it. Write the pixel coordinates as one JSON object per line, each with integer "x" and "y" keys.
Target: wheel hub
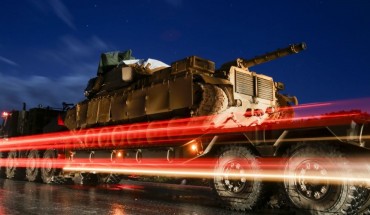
{"x": 310, "y": 180}
{"x": 231, "y": 181}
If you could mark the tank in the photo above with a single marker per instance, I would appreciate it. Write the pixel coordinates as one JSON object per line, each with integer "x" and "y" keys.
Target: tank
{"x": 128, "y": 90}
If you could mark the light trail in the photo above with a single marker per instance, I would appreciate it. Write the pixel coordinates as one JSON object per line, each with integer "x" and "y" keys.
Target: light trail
{"x": 270, "y": 169}
{"x": 313, "y": 105}
{"x": 178, "y": 132}
{"x": 160, "y": 133}
{"x": 183, "y": 129}
{"x": 211, "y": 174}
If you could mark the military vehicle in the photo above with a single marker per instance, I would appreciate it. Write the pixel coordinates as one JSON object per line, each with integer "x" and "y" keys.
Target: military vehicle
{"x": 138, "y": 112}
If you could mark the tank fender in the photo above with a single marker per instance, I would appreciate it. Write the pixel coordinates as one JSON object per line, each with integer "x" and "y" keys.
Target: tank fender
{"x": 212, "y": 80}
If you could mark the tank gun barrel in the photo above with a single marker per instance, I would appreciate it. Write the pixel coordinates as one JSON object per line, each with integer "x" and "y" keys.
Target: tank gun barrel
{"x": 245, "y": 63}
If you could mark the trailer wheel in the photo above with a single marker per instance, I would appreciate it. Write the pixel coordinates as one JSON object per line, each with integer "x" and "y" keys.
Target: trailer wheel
{"x": 238, "y": 192}
{"x": 32, "y": 168}
{"x": 3, "y": 155}
{"x": 308, "y": 182}
{"x": 12, "y": 169}
{"x": 365, "y": 207}
{"x": 49, "y": 170}
{"x": 86, "y": 179}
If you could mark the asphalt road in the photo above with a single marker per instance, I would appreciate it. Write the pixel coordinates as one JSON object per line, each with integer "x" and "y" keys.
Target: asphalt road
{"x": 20, "y": 197}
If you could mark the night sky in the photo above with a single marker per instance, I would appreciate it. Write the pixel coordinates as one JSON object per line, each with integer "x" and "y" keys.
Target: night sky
{"x": 49, "y": 49}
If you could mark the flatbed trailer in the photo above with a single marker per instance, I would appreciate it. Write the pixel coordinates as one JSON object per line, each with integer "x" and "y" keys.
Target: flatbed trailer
{"x": 230, "y": 129}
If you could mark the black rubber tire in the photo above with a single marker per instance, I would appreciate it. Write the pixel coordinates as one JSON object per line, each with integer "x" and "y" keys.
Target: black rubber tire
{"x": 211, "y": 98}
{"x": 109, "y": 178}
{"x": 365, "y": 207}
{"x": 243, "y": 193}
{"x": 86, "y": 179}
{"x": 61, "y": 180}
{"x": 3, "y": 155}
{"x": 32, "y": 169}
{"x": 12, "y": 169}
{"x": 320, "y": 197}
{"x": 48, "y": 169}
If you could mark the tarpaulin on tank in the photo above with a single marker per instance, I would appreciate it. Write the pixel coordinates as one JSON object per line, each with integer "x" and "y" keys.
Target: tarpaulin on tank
{"x": 109, "y": 60}
{"x": 149, "y": 65}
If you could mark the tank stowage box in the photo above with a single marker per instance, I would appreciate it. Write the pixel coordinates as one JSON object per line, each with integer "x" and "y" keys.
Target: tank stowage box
{"x": 193, "y": 64}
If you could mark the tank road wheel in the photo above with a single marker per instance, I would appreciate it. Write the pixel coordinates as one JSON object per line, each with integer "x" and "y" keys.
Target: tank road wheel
{"x": 48, "y": 170}
{"x": 109, "y": 178}
{"x": 238, "y": 192}
{"x": 311, "y": 188}
{"x": 12, "y": 170}
{"x": 211, "y": 99}
{"x": 32, "y": 168}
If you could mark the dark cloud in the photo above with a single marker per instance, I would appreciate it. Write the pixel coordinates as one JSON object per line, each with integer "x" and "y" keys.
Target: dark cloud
{"x": 62, "y": 12}
{"x": 79, "y": 60}
{"x": 75, "y": 52}
{"x": 8, "y": 61}
{"x": 39, "y": 90}
{"x": 58, "y": 8}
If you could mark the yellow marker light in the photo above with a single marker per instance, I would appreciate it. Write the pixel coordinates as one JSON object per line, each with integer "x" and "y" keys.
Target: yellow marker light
{"x": 119, "y": 154}
{"x": 194, "y": 147}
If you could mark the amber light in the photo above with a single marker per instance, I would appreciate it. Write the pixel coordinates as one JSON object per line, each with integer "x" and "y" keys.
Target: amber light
{"x": 119, "y": 153}
{"x": 196, "y": 146}
{"x": 5, "y": 114}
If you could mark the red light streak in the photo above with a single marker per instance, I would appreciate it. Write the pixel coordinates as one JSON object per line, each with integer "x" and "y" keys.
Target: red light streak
{"x": 178, "y": 132}
{"x": 271, "y": 169}
{"x": 160, "y": 133}
{"x": 313, "y": 105}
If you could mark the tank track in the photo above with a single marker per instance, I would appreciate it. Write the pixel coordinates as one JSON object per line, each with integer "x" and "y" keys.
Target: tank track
{"x": 213, "y": 100}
